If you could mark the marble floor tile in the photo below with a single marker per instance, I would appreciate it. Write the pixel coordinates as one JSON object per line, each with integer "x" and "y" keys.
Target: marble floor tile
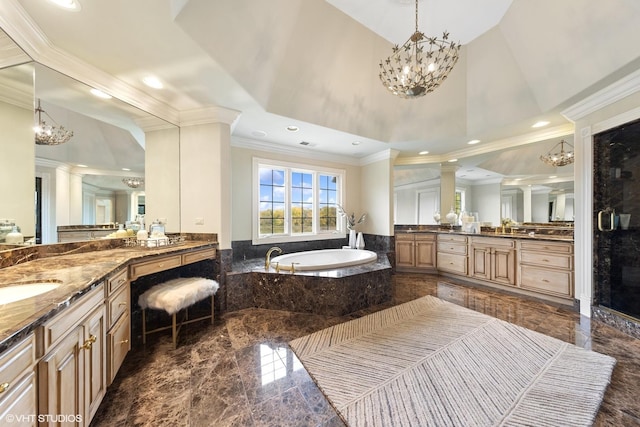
{"x": 241, "y": 372}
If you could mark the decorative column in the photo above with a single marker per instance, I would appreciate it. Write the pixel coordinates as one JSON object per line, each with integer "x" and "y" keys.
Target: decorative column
{"x": 447, "y": 189}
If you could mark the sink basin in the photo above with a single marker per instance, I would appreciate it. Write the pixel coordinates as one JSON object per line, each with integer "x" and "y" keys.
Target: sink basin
{"x": 15, "y": 293}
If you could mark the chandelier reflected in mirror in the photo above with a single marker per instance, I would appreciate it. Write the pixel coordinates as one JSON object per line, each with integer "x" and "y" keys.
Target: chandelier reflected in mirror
{"x": 133, "y": 182}
{"x": 559, "y": 158}
{"x": 48, "y": 134}
{"x": 420, "y": 65}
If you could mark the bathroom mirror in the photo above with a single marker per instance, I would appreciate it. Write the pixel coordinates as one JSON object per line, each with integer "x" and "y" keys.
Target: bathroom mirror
{"x": 75, "y": 179}
{"x": 493, "y": 184}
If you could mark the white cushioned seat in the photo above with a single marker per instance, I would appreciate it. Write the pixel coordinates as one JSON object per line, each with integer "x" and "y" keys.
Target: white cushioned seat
{"x": 177, "y": 294}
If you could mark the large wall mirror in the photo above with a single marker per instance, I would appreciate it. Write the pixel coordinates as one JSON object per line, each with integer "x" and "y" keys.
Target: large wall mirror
{"x": 79, "y": 182}
{"x": 496, "y": 185}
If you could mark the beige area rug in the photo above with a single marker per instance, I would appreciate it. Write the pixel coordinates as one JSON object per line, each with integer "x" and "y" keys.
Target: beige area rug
{"x": 432, "y": 363}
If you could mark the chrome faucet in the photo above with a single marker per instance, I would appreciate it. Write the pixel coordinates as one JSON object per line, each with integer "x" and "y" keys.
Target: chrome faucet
{"x": 267, "y": 260}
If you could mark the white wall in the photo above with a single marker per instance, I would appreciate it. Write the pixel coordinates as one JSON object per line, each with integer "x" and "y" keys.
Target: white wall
{"x": 485, "y": 199}
{"x": 376, "y": 183}
{"x": 18, "y": 167}
{"x": 162, "y": 177}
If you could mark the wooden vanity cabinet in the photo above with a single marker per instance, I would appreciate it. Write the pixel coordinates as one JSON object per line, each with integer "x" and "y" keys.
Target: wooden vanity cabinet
{"x": 118, "y": 303}
{"x": 493, "y": 259}
{"x": 416, "y": 252}
{"x": 72, "y": 372}
{"x": 547, "y": 267}
{"x": 452, "y": 253}
{"x": 18, "y": 389}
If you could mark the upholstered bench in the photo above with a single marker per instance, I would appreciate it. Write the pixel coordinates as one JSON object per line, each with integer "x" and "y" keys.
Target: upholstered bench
{"x": 173, "y": 296}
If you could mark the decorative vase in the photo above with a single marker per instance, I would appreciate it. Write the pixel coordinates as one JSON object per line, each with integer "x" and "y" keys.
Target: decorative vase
{"x": 360, "y": 241}
{"x": 451, "y": 218}
{"x": 352, "y": 239}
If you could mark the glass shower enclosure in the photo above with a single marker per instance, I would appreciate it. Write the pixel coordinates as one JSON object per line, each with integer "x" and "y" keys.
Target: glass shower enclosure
{"x": 616, "y": 219}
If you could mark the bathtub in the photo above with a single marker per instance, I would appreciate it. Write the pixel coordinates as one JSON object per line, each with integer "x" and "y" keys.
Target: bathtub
{"x": 323, "y": 259}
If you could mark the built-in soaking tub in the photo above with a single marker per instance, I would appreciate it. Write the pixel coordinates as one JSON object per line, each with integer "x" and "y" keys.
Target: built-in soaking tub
{"x": 324, "y": 259}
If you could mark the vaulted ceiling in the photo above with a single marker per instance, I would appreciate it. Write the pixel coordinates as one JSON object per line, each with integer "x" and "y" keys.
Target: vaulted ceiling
{"x": 314, "y": 64}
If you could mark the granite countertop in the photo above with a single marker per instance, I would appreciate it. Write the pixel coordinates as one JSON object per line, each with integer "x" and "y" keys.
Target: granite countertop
{"x": 520, "y": 233}
{"x": 76, "y": 275}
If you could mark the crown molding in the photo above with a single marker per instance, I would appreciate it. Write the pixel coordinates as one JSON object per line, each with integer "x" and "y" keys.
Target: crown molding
{"x": 388, "y": 154}
{"x": 19, "y": 26}
{"x": 501, "y": 144}
{"x": 614, "y": 92}
{"x": 208, "y": 115}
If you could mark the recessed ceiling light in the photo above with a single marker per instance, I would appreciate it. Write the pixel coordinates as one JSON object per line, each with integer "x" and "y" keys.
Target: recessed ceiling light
{"x": 259, "y": 133}
{"x": 540, "y": 124}
{"x": 422, "y": 153}
{"x": 452, "y": 160}
{"x": 72, "y": 5}
{"x": 100, "y": 94}
{"x": 126, "y": 169}
{"x": 82, "y": 166}
{"x": 293, "y": 128}
{"x": 153, "y": 81}
{"x": 355, "y": 143}
{"x": 473, "y": 141}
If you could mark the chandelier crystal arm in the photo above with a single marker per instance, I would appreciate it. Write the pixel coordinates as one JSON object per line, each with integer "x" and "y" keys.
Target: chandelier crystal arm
{"x": 46, "y": 134}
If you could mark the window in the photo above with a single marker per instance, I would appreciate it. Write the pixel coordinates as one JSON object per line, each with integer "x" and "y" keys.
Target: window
{"x": 295, "y": 202}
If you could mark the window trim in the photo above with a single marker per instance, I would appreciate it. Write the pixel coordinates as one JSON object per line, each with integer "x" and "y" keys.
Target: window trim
{"x": 297, "y": 167}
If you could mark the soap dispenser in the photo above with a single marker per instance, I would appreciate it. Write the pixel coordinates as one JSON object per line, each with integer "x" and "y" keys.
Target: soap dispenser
{"x": 121, "y": 231}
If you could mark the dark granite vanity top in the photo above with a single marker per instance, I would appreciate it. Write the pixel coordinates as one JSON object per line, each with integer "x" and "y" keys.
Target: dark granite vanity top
{"x": 564, "y": 234}
{"x": 76, "y": 274}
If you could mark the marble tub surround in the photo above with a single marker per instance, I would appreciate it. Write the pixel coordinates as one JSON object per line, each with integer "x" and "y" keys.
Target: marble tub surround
{"x": 337, "y": 291}
{"x": 240, "y": 371}
{"x": 77, "y": 273}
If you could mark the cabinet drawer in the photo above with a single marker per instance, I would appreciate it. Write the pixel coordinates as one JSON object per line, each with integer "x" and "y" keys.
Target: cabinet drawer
{"x": 119, "y": 344}
{"x": 554, "y": 282}
{"x": 20, "y": 401}
{"x": 56, "y": 328}
{"x": 452, "y": 238}
{"x": 405, "y": 236}
{"x": 427, "y": 237}
{"x": 14, "y": 362}
{"x": 557, "y": 247}
{"x": 494, "y": 242}
{"x": 547, "y": 260}
{"x": 150, "y": 267}
{"x": 190, "y": 257}
{"x": 452, "y": 247}
{"x": 117, "y": 305}
{"x": 452, "y": 263}
{"x": 116, "y": 281}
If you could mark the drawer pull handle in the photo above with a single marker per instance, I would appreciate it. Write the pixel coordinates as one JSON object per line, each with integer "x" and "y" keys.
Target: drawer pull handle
{"x": 545, "y": 260}
{"x": 122, "y": 304}
{"x": 545, "y": 280}
{"x": 89, "y": 343}
{"x": 121, "y": 281}
{"x": 4, "y": 387}
{"x": 124, "y": 342}
{"x": 161, "y": 265}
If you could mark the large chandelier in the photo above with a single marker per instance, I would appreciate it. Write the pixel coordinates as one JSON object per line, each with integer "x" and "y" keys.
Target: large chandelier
{"x": 47, "y": 134}
{"x": 561, "y": 158}
{"x": 133, "y": 182}
{"x": 420, "y": 65}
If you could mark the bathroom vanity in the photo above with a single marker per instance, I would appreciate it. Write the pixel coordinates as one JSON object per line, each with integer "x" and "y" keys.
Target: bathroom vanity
{"x": 60, "y": 350}
{"x": 528, "y": 263}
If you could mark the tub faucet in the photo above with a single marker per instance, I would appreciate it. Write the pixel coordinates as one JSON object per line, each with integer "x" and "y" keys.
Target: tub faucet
{"x": 267, "y": 260}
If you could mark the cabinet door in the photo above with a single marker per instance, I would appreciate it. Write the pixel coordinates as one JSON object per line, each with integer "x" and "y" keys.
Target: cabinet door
{"x": 405, "y": 253}
{"x": 480, "y": 262}
{"x": 503, "y": 266}
{"x": 95, "y": 354}
{"x": 425, "y": 253}
{"x": 61, "y": 379}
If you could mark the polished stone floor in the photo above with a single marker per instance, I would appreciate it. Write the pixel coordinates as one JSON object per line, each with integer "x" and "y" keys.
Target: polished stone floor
{"x": 240, "y": 371}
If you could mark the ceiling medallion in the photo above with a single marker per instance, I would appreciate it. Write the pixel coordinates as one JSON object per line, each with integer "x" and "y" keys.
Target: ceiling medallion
{"x": 420, "y": 65}
{"x": 561, "y": 158}
{"x": 49, "y": 134}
